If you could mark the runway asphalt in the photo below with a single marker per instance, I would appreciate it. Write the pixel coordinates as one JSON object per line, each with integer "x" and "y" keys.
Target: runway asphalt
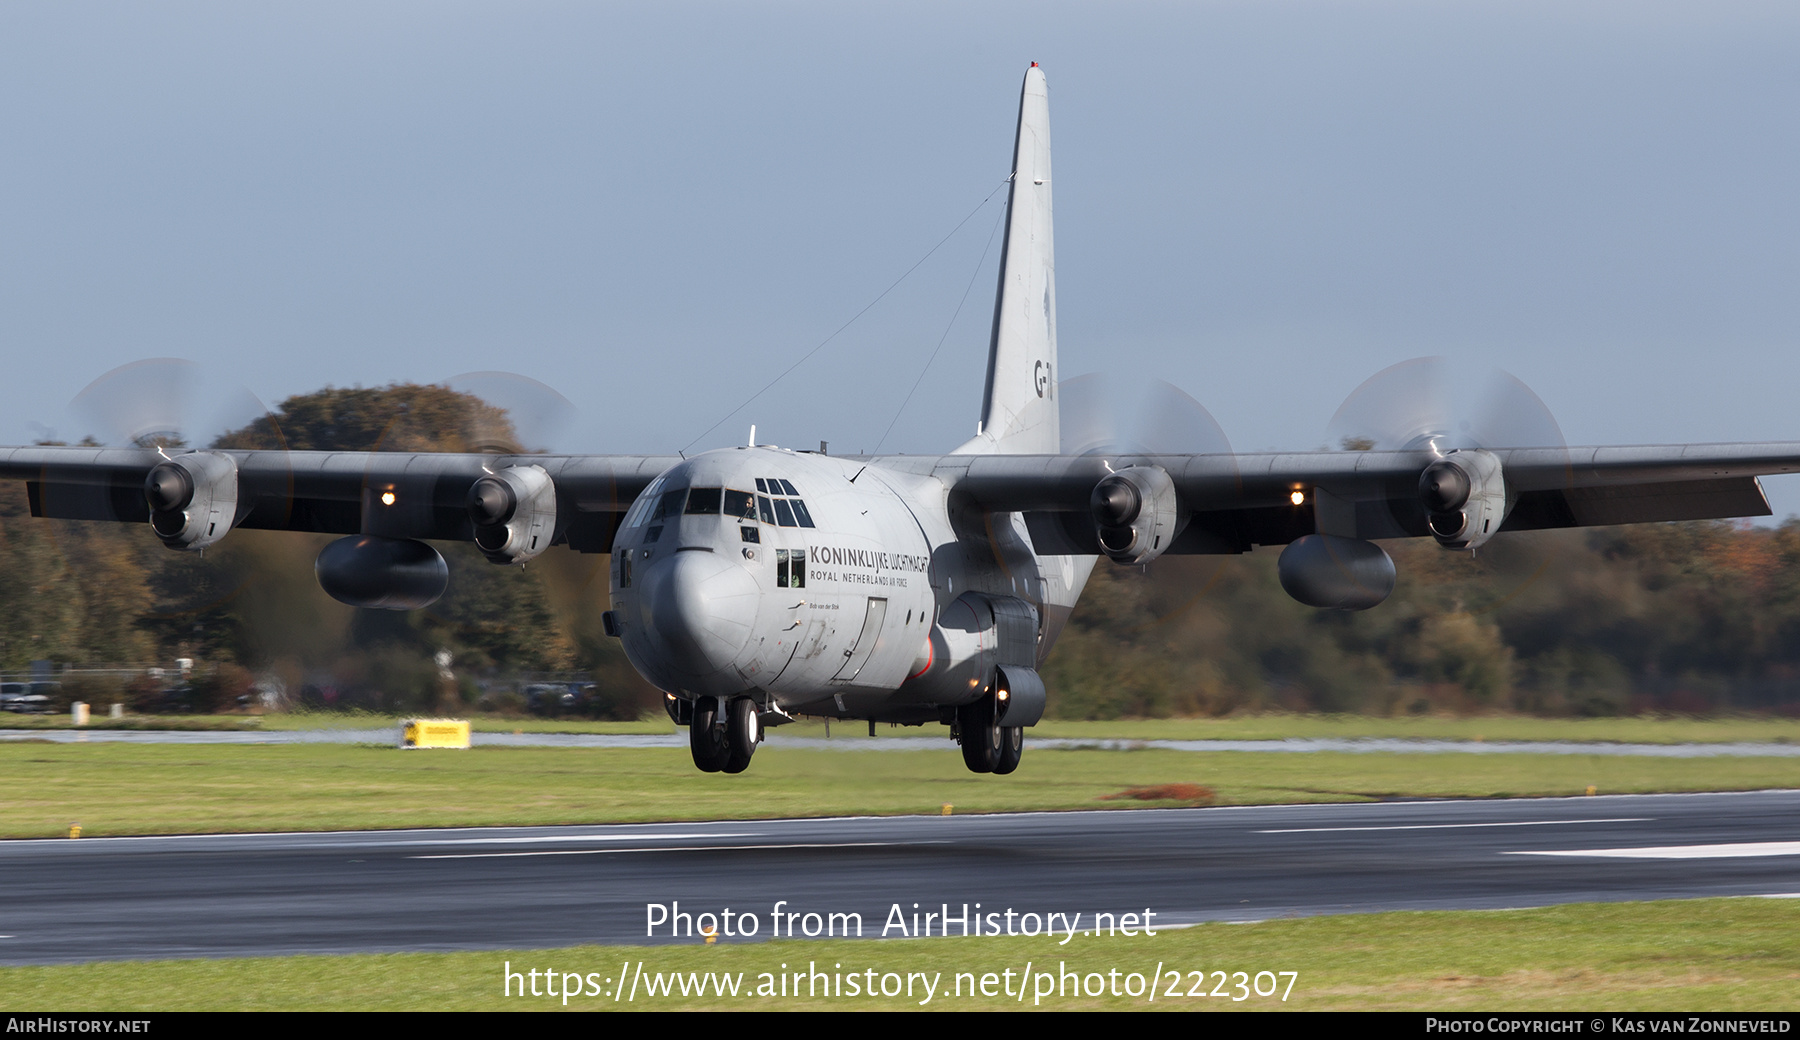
{"x": 262, "y": 894}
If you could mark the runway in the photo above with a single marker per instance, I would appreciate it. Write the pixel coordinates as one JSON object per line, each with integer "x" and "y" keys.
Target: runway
{"x": 241, "y": 895}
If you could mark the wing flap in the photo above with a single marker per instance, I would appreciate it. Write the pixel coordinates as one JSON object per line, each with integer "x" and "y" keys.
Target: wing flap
{"x": 1639, "y": 504}
{"x": 62, "y": 500}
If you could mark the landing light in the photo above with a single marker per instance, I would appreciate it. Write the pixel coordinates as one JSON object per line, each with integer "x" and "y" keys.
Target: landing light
{"x": 1298, "y": 497}
{"x": 387, "y": 498}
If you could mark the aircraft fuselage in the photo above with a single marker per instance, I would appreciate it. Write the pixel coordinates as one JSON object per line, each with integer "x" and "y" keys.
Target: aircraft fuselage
{"x": 826, "y": 586}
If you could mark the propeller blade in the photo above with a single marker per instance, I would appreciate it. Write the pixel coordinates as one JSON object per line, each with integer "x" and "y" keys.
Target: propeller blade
{"x": 174, "y": 404}
{"x": 1510, "y": 415}
{"x": 162, "y": 401}
{"x": 534, "y": 416}
{"x": 139, "y": 404}
{"x": 1431, "y": 402}
{"x": 1401, "y": 406}
{"x": 1102, "y": 414}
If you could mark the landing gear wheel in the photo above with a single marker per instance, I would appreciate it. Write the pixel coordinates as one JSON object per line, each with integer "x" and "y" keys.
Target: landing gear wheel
{"x": 706, "y": 738}
{"x": 742, "y": 731}
{"x": 980, "y": 737}
{"x": 1012, "y": 748}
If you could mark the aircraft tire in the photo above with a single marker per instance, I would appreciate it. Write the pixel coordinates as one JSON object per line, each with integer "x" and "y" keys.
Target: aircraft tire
{"x": 980, "y": 737}
{"x": 1012, "y": 748}
{"x": 743, "y": 730}
{"x": 704, "y": 738}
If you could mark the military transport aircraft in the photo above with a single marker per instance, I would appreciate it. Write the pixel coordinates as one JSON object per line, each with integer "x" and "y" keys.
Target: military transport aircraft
{"x": 756, "y": 583}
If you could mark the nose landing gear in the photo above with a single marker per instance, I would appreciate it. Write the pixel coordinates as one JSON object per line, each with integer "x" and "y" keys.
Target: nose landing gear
{"x": 743, "y": 732}
{"x": 724, "y": 743}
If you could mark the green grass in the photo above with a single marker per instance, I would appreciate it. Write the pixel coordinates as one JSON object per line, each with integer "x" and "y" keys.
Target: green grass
{"x": 1269, "y": 726}
{"x": 114, "y": 788}
{"x": 1697, "y": 955}
{"x": 1633, "y": 730}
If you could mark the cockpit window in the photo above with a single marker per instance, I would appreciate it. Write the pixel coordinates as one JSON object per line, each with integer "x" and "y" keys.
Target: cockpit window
{"x": 784, "y": 509}
{"x": 740, "y": 503}
{"x": 703, "y": 501}
{"x": 668, "y": 505}
{"x": 644, "y": 503}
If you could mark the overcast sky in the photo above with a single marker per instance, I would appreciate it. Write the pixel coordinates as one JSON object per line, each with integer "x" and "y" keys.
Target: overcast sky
{"x": 657, "y": 208}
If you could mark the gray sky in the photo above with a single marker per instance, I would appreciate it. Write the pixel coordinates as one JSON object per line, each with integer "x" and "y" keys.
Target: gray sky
{"x": 656, "y": 208}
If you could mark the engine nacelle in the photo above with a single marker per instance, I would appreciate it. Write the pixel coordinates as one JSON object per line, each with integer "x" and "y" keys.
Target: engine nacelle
{"x": 192, "y": 499}
{"x": 514, "y": 511}
{"x": 1136, "y": 513}
{"x": 366, "y": 570}
{"x": 1337, "y": 573}
{"x": 1464, "y": 495}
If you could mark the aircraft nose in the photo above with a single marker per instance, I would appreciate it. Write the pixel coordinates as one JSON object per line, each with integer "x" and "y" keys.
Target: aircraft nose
{"x": 701, "y": 608}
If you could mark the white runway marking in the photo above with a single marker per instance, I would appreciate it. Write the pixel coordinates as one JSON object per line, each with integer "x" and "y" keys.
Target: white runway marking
{"x": 546, "y": 839}
{"x": 1453, "y": 826}
{"x": 677, "y": 848}
{"x": 1749, "y": 848}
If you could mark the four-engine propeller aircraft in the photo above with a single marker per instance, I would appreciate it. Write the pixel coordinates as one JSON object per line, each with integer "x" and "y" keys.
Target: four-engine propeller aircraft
{"x": 756, "y": 583}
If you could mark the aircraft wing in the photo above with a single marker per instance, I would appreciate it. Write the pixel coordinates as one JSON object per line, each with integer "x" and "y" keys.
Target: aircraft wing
{"x": 1234, "y": 502}
{"x": 1239, "y": 501}
{"x": 329, "y": 491}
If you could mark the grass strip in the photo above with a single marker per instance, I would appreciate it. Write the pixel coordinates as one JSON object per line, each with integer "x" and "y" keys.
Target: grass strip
{"x": 1281, "y": 726}
{"x": 115, "y": 788}
{"x": 1689, "y": 955}
{"x": 1269, "y": 726}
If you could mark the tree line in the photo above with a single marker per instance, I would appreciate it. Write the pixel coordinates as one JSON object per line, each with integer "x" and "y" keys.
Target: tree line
{"x": 1693, "y": 617}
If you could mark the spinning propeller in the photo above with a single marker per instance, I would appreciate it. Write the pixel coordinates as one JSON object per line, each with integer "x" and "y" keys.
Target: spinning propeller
{"x": 162, "y": 402}
{"x": 532, "y": 416}
{"x": 1460, "y": 415}
{"x": 1430, "y": 402}
{"x": 1105, "y": 415}
{"x": 193, "y": 497}
{"x": 172, "y": 406}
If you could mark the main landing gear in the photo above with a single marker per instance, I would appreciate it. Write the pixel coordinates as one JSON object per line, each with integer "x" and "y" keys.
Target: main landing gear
{"x": 724, "y": 744}
{"x": 987, "y": 746}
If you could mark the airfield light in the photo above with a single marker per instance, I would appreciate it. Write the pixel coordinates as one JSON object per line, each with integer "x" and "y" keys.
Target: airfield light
{"x": 1298, "y": 497}
{"x": 387, "y": 498}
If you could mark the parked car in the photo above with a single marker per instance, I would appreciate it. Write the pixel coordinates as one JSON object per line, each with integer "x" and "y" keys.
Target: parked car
{"x": 551, "y": 698}
{"x": 28, "y": 698}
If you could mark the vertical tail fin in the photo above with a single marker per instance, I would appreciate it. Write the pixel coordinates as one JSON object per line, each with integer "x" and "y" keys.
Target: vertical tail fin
{"x": 1019, "y": 409}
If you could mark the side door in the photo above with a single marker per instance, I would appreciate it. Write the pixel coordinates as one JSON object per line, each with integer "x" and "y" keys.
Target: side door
{"x": 874, "y": 617}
